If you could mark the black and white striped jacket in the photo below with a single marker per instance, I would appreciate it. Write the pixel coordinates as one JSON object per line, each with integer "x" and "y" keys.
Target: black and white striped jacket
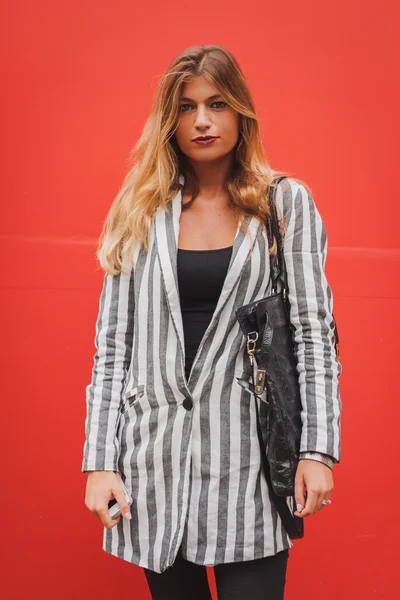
{"x": 188, "y": 450}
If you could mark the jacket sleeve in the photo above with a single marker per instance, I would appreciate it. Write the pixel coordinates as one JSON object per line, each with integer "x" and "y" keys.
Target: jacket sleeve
{"x": 113, "y": 342}
{"x": 324, "y": 458}
{"x": 311, "y": 304}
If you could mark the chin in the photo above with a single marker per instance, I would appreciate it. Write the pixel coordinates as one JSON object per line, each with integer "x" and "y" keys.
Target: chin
{"x": 208, "y": 154}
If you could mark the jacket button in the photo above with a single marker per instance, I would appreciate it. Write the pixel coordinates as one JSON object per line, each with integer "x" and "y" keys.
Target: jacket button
{"x": 187, "y": 403}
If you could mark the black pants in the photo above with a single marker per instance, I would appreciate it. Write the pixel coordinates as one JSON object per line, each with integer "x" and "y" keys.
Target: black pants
{"x": 260, "y": 579}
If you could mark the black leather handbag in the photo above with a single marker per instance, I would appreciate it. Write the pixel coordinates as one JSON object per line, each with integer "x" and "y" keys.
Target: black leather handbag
{"x": 270, "y": 341}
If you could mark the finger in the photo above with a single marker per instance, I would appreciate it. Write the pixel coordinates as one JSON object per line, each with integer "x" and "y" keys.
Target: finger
{"x": 299, "y": 495}
{"x": 318, "y": 505}
{"x": 311, "y": 502}
{"x": 326, "y": 496}
{"x": 95, "y": 512}
{"x": 119, "y": 495}
{"x": 105, "y": 518}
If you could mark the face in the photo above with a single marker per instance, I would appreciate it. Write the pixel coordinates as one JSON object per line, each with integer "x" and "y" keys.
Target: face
{"x": 204, "y": 113}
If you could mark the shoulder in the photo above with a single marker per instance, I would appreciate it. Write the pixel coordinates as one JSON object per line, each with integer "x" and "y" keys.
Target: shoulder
{"x": 293, "y": 195}
{"x": 290, "y": 186}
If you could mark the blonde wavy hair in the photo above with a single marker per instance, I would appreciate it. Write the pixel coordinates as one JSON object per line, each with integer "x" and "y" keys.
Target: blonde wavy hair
{"x": 156, "y": 162}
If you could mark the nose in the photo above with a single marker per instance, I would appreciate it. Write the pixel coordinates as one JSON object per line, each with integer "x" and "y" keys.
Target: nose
{"x": 202, "y": 118}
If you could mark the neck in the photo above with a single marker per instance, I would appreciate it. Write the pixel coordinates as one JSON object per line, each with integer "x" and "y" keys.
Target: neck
{"x": 210, "y": 177}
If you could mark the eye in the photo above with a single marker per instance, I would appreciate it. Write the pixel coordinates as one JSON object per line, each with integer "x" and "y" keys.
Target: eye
{"x": 217, "y": 102}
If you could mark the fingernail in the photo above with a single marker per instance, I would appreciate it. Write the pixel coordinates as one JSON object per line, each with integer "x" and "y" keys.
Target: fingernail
{"x": 128, "y": 515}
{"x": 299, "y": 507}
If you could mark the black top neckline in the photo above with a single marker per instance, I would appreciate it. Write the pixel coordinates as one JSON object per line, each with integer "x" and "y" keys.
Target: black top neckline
{"x": 212, "y": 250}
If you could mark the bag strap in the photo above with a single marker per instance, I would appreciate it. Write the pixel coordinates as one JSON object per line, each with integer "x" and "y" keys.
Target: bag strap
{"x": 278, "y": 267}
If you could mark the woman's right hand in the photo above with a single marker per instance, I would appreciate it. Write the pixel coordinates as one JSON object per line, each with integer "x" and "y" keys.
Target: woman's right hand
{"x": 101, "y": 487}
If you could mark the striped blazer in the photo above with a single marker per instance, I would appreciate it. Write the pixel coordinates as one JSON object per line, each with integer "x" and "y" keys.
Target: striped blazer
{"x": 188, "y": 449}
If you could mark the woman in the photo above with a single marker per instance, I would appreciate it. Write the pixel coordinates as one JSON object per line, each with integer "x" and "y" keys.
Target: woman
{"x": 185, "y": 245}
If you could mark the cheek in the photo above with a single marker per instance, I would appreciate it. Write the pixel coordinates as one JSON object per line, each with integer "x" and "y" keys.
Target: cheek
{"x": 181, "y": 132}
{"x": 230, "y": 130}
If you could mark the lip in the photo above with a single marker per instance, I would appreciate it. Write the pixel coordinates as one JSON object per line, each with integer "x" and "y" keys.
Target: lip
{"x": 202, "y": 142}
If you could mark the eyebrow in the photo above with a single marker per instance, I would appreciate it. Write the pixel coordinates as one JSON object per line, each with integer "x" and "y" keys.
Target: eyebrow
{"x": 185, "y": 98}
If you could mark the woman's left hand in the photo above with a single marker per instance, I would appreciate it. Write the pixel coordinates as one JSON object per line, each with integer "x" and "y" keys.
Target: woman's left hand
{"x": 318, "y": 479}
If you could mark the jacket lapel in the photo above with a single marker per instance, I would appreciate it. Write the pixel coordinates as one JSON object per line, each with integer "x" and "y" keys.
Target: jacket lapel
{"x": 166, "y": 237}
{"x": 241, "y": 252}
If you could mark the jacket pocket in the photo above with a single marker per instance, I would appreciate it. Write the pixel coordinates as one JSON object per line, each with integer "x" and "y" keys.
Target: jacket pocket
{"x": 132, "y": 396}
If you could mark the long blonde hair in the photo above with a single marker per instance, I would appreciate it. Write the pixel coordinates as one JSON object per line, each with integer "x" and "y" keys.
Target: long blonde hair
{"x": 156, "y": 160}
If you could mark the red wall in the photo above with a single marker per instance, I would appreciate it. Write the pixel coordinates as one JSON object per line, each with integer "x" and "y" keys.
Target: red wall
{"x": 78, "y": 82}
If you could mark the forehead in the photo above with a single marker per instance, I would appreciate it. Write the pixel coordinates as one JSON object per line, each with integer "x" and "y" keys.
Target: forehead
{"x": 199, "y": 88}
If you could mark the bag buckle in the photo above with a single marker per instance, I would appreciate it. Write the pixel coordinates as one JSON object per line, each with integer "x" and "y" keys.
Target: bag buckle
{"x": 251, "y": 344}
{"x": 260, "y": 381}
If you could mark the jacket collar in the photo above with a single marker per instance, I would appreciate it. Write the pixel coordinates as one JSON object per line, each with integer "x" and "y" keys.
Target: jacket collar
{"x": 166, "y": 237}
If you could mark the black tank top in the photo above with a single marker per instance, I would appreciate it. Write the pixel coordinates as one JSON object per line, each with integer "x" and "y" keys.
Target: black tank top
{"x": 201, "y": 275}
